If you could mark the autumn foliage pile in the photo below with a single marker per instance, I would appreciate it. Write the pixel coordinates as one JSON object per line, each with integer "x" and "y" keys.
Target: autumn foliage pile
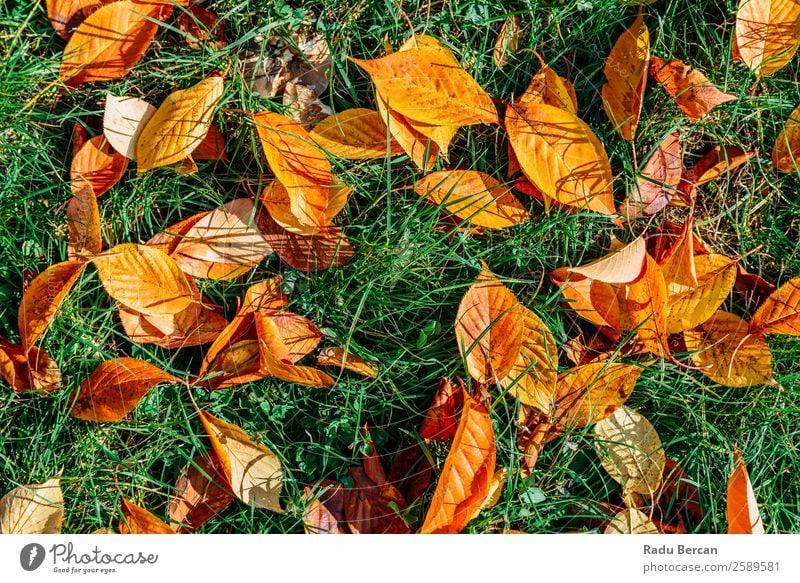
{"x": 656, "y": 297}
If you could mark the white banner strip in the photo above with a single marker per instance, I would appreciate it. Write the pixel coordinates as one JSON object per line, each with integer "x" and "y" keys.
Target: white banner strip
{"x": 410, "y": 559}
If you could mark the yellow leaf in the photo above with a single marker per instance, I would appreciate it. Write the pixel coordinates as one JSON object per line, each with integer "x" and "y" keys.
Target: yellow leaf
{"x": 336, "y": 356}
{"x": 728, "y": 353}
{"x": 473, "y": 196}
{"x": 561, "y": 156}
{"x": 767, "y": 34}
{"x": 253, "y": 471}
{"x": 591, "y": 392}
{"x": 179, "y": 125}
{"x": 422, "y": 152}
{"x": 549, "y": 88}
{"x": 355, "y": 134}
{"x": 630, "y": 450}
{"x": 35, "y": 509}
{"x": 626, "y": 72}
{"x": 688, "y": 308}
{"x": 742, "y": 508}
{"x": 631, "y": 521}
{"x": 786, "y": 152}
{"x": 507, "y": 41}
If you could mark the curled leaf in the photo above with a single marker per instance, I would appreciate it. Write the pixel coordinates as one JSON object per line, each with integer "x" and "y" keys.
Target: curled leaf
{"x": 124, "y": 119}
{"x": 742, "y": 507}
{"x": 336, "y": 356}
{"x": 97, "y": 166}
{"x": 689, "y": 88}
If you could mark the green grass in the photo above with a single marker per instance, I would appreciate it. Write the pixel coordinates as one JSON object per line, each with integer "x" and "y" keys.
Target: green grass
{"x": 395, "y": 303}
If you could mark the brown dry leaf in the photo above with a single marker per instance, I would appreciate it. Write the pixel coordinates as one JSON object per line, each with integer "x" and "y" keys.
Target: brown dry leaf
{"x": 42, "y": 299}
{"x": 14, "y": 366}
{"x": 659, "y": 180}
{"x": 83, "y": 225}
{"x": 767, "y": 34}
{"x": 467, "y": 472}
{"x": 780, "y": 312}
{"x": 589, "y": 393}
{"x": 630, "y": 450}
{"x": 179, "y": 125}
{"x": 303, "y": 104}
{"x": 144, "y": 279}
{"x": 786, "y": 152}
{"x": 97, "y": 166}
{"x": 718, "y": 161}
{"x": 336, "y": 356}
{"x": 411, "y": 472}
{"x": 44, "y": 372}
{"x": 622, "y": 265}
{"x": 690, "y": 307}
{"x": 110, "y": 41}
{"x": 728, "y": 353}
{"x": 124, "y": 119}
{"x": 212, "y": 147}
{"x": 324, "y": 513}
{"x": 533, "y": 376}
{"x": 201, "y": 493}
{"x": 547, "y": 87}
{"x": 688, "y": 87}
{"x": 115, "y": 387}
{"x": 198, "y": 324}
{"x": 355, "y": 134}
{"x": 224, "y": 244}
{"x": 742, "y": 508}
{"x": 489, "y": 329}
{"x": 423, "y": 84}
{"x": 252, "y": 470}
{"x": 631, "y": 521}
{"x": 137, "y": 520}
{"x": 200, "y": 25}
{"x": 561, "y": 156}
{"x": 441, "y": 419}
{"x": 473, "y": 196}
{"x": 626, "y": 73}
{"x": 374, "y": 507}
{"x": 508, "y": 40}
{"x": 34, "y": 509}
{"x": 66, "y": 15}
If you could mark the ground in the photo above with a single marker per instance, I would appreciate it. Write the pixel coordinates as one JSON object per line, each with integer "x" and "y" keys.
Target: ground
{"x": 395, "y": 303}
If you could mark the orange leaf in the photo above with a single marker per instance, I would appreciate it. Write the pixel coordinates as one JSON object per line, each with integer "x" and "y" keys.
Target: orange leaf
{"x": 83, "y": 223}
{"x": 44, "y": 372}
{"x": 115, "y": 387}
{"x": 198, "y": 324}
{"x": 467, "y": 473}
{"x": 325, "y": 513}
{"x": 547, "y": 87}
{"x": 98, "y": 166}
{"x": 589, "y": 393}
{"x": 372, "y": 508}
{"x": 473, "y": 196}
{"x": 441, "y": 419}
{"x": 508, "y": 40}
{"x": 137, "y": 520}
{"x": 355, "y": 134}
{"x": 780, "y": 312}
{"x": 592, "y": 300}
{"x": 626, "y": 72}
{"x": 336, "y": 356}
{"x": 561, "y": 156}
{"x": 110, "y": 41}
{"x": 43, "y": 297}
{"x": 718, "y": 161}
{"x": 179, "y": 126}
{"x": 688, "y": 308}
{"x": 659, "y": 180}
{"x": 786, "y": 152}
{"x": 237, "y": 363}
{"x": 299, "y": 334}
{"x": 276, "y": 358}
{"x": 489, "y": 328}
{"x": 14, "y": 366}
{"x": 199, "y": 24}
{"x": 644, "y": 308}
{"x": 66, "y": 15}
{"x": 742, "y": 508}
{"x": 168, "y": 239}
{"x": 421, "y": 151}
{"x": 212, "y": 147}
{"x": 767, "y": 34}
{"x": 728, "y": 353}
{"x": 277, "y": 202}
{"x": 144, "y": 279}
{"x": 688, "y": 87}
{"x": 201, "y": 493}
{"x": 124, "y": 119}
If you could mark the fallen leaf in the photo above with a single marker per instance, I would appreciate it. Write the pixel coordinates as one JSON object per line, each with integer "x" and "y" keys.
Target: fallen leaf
{"x": 124, "y": 119}
{"x": 631, "y": 521}
{"x": 336, "y": 356}
{"x": 767, "y": 34}
{"x": 742, "y": 507}
{"x": 114, "y": 389}
{"x": 549, "y": 88}
{"x": 179, "y": 125}
{"x": 224, "y": 244}
{"x": 144, "y": 279}
{"x": 324, "y": 513}
{"x": 45, "y": 374}
{"x": 277, "y": 202}
{"x": 780, "y": 312}
{"x": 678, "y": 497}
{"x": 14, "y": 366}
{"x": 689, "y": 308}
{"x": 630, "y": 450}
{"x": 623, "y": 265}
{"x": 304, "y": 105}
{"x": 137, "y": 520}
{"x": 786, "y": 151}
{"x": 201, "y": 493}
{"x": 659, "y": 180}
{"x": 198, "y": 324}
{"x": 718, "y": 161}
{"x": 441, "y": 419}
{"x": 298, "y": 334}
{"x": 168, "y": 239}
{"x": 508, "y": 40}
{"x": 561, "y": 156}
{"x": 42, "y": 299}
{"x": 411, "y": 472}
{"x": 688, "y": 87}
{"x": 34, "y": 509}
{"x": 200, "y": 25}
{"x": 727, "y": 352}
{"x": 111, "y": 41}
{"x": 97, "y": 166}
{"x": 252, "y": 470}
{"x": 83, "y": 224}
{"x": 489, "y": 327}
{"x": 595, "y": 301}
{"x": 422, "y": 151}
{"x": 355, "y": 134}
{"x": 237, "y": 363}
{"x": 467, "y": 472}
{"x": 591, "y": 392}
{"x": 372, "y": 508}
{"x": 66, "y": 15}
{"x": 626, "y": 75}
{"x": 212, "y": 147}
